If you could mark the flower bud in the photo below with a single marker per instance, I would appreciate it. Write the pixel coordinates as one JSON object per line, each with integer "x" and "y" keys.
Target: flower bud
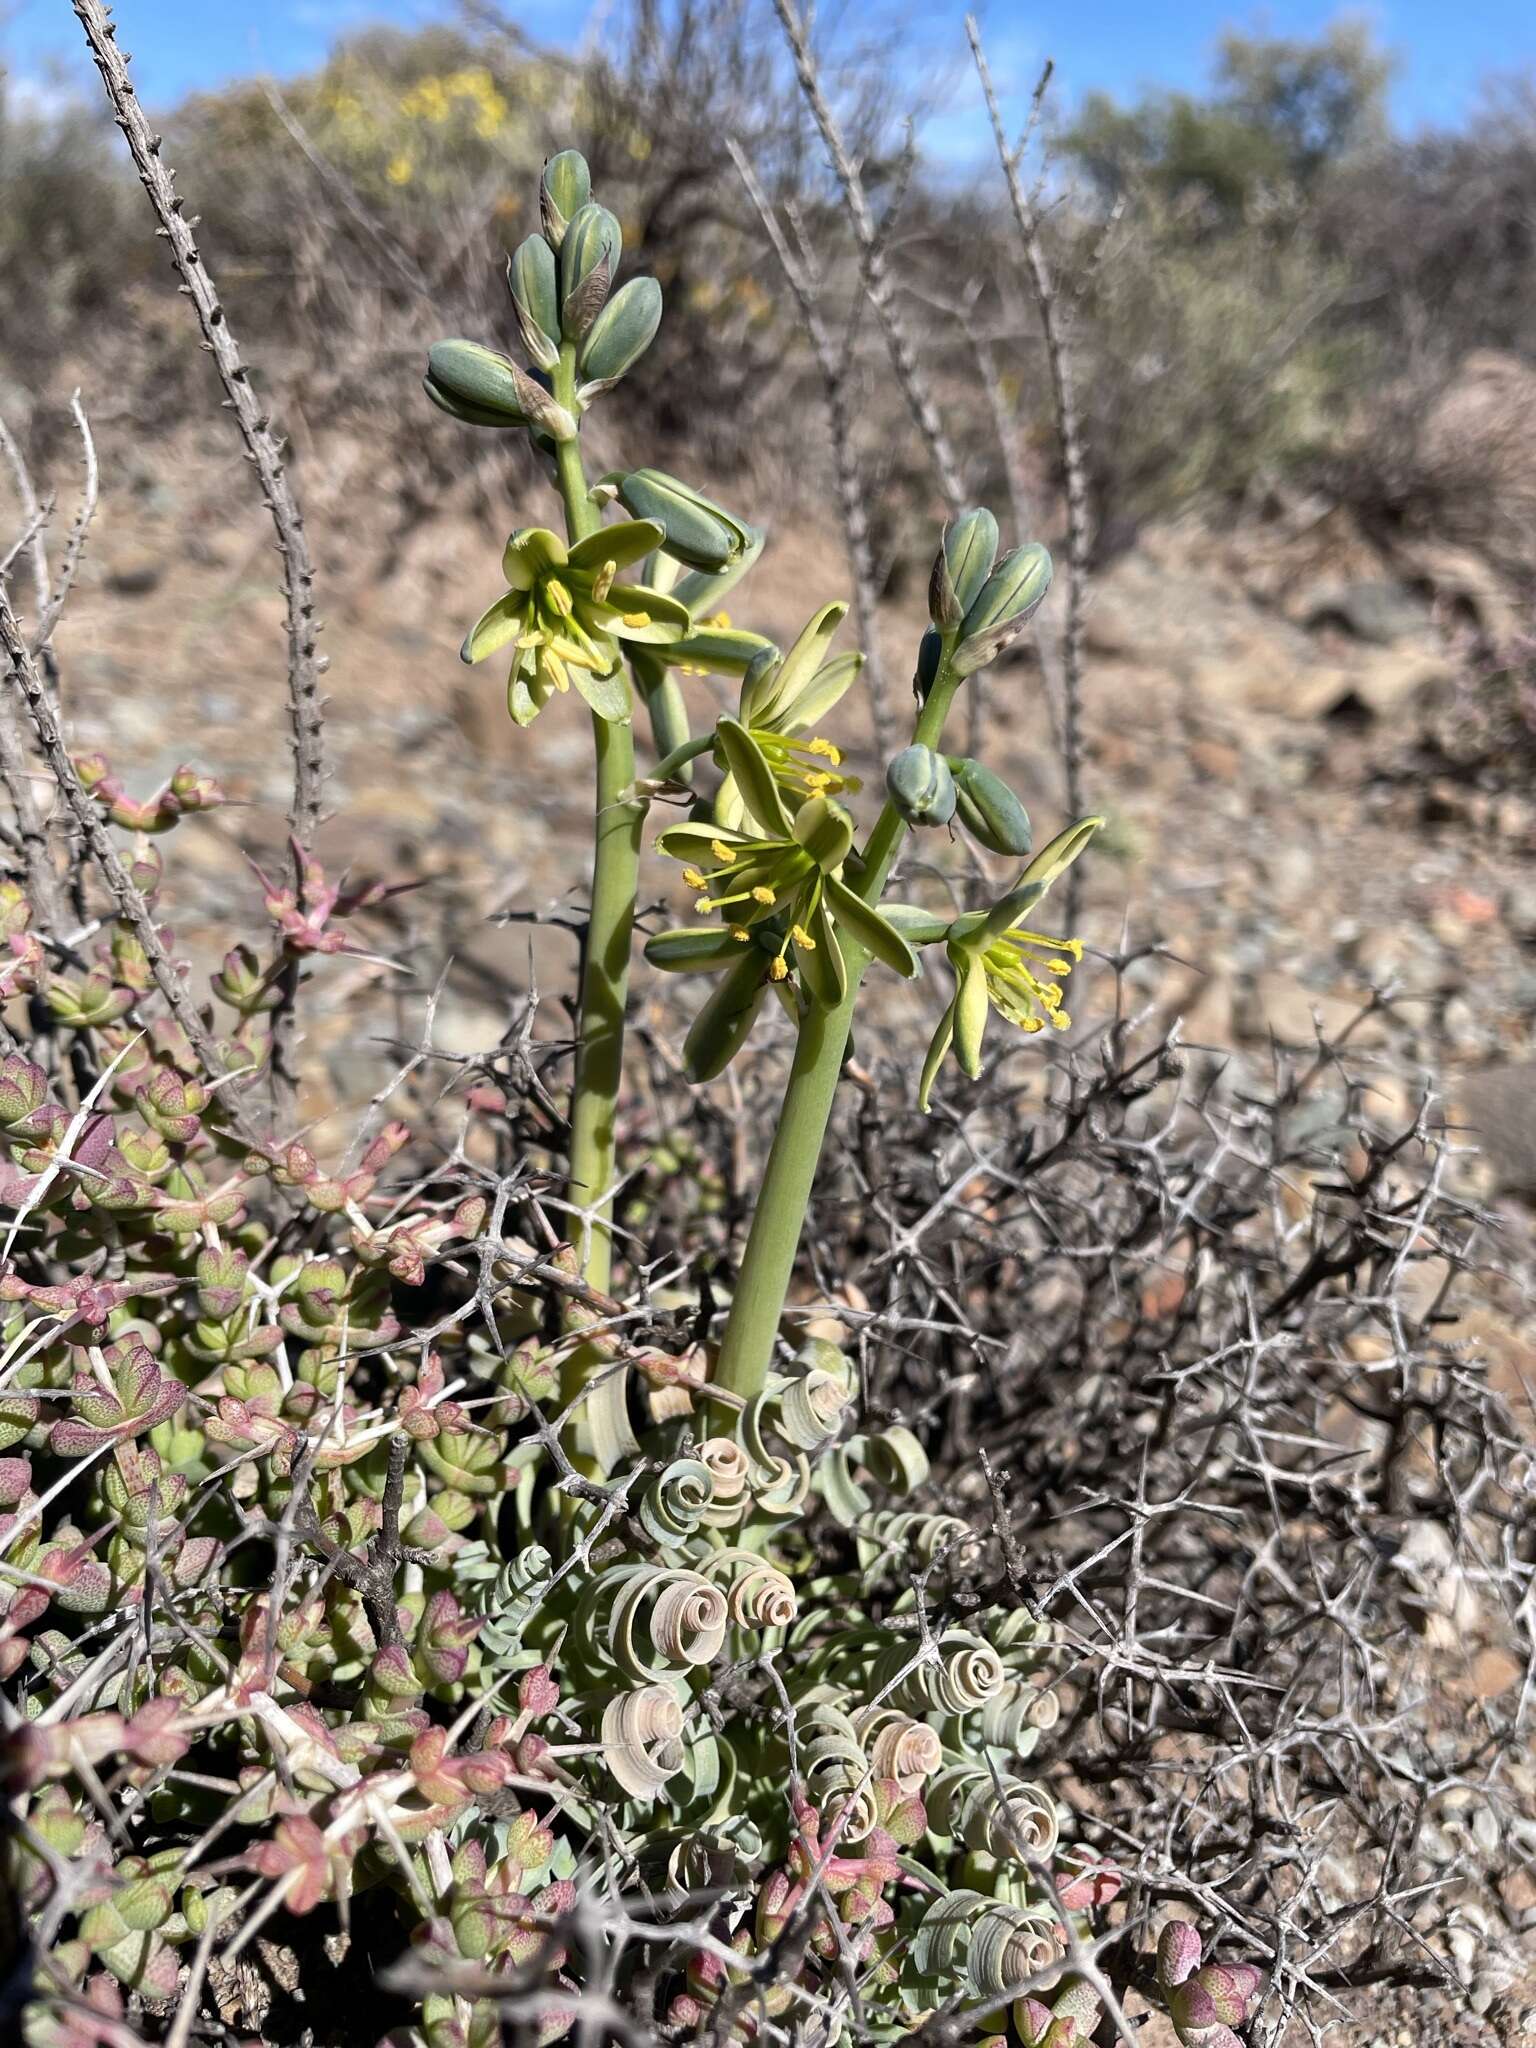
{"x": 1003, "y": 607}
{"x": 620, "y": 335}
{"x": 589, "y": 259}
{"x": 697, "y": 531}
{"x": 474, "y": 384}
{"x": 564, "y": 189}
{"x": 930, "y": 652}
{"x": 921, "y": 786}
{"x": 536, "y": 300}
{"x": 989, "y": 810}
{"x": 961, "y": 567}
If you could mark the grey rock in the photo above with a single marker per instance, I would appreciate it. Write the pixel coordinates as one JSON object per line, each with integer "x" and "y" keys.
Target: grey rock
{"x": 1497, "y": 1107}
{"x": 1379, "y": 612}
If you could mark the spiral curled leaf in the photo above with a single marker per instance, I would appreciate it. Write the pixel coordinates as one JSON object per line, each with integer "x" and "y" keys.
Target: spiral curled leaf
{"x": 759, "y": 1594}
{"x": 730, "y": 1475}
{"x": 963, "y": 1675}
{"x": 894, "y": 1460}
{"x": 649, "y": 1622}
{"x": 837, "y": 1770}
{"x": 899, "y": 1747}
{"x": 1019, "y": 1716}
{"x": 643, "y": 1739}
{"x": 674, "y": 1505}
{"x": 988, "y": 1945}
{"x": 893, "y": 1541}
{"x": 998, "y": 1815}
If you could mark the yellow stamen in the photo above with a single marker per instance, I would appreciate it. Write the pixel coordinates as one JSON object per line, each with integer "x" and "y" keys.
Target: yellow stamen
{"x": 637, "y": 619}
{"x": 557, "y": 597}
{"x": 802, "y": 938}
{"x": 721, "y": 851}
{"x": 556, "y": 669}
{"x": 828, "y": 752}
{"x": 777, "y": 970}
{"x": 694, "y": 879}
{"x": 577, "y": 657}
{"x": 818, "y": 781}
{"x": 763, "y": 895}
{"x": 704, "y": 903}
{"x": 740, "y": 933}
{"x": 535, "y": 639}
{"x": 602, "y": 582}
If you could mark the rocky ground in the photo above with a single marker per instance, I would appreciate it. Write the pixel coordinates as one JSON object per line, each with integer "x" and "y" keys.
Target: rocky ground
{"x": 1255, "y": 706}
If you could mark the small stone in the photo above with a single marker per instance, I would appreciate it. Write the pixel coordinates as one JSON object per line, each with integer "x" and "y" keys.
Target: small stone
{"x": 1497, "y": 1107}
{"x": 1216, "y": 761}
{"x": 1494, "y": 1672}
{"x": 132, "y": 575}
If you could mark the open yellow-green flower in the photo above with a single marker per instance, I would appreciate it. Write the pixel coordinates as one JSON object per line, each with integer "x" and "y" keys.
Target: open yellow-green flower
{"x": 1001, "y": 965}
{"x": 564, "y": 613}
{"x": 781, "y": 903}
{"x": 782, "y": 699}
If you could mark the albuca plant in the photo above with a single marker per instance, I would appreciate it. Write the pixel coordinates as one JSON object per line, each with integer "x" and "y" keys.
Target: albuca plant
{"x": 359, "y": 1559}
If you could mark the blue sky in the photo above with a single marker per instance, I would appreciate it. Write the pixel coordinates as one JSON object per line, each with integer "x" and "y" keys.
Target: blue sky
{"x": 1112, "y": 45}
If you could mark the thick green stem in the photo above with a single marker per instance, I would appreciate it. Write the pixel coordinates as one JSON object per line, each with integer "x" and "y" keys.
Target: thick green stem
{"x": 746, "y": 1352}
{"x": 617, "y": 823}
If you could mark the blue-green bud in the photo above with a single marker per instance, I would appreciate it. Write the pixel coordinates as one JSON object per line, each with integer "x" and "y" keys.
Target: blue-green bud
{"x": 1003, "y": 607}
{"x": 620, "y": 335}
{"x": 589, "y": 261}
{"x": 564, "y": 189}
{"x": 921, "y": 786}
{"x": 961, "y": 567}
{"x": 698, "y": 531}
{"x": 536, "y": 300}
{"x": 989, "y": 810}
{"x": 475, "y": 384}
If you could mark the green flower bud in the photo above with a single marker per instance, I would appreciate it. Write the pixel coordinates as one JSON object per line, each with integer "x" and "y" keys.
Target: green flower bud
{"x": 989, "y": 810}
{"x": 474, "y": 384}
{"x": 620, "y": 335}
{"x": 697, "y": 531}
{"x": 930, "y": 652}
{"x": 961, "y": 567}
{"x": 564, "y": 189}
{"x": 589, "y": 259}
{"x": 536, "y": 300}
{"x": 921, "y": 786}
{"x": 1003, "y": 607}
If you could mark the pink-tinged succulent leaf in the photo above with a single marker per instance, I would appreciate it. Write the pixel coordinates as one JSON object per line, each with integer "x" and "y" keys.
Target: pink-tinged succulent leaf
{"x": 1089, "y": 1888}
{"x": 1178, "y": 1953}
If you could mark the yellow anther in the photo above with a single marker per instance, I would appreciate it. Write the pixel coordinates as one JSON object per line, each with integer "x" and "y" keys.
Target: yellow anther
{"x": 704, "y": 903}
{"x": 557, "y": 597}
{"x": 828, "y": 752}
{"x": 740, "y": 933}
{"x": 762, "y": 894}
{"x": 802, "y": 938}
{"x": 720, "y": 619}
{"x": 777, "y": 970}
{"x": 556, "y": 670}
{"x": 602, "y": 582}
{"x": 637, "y": 619}
{"x": 534, "y": 639}
{"x": 818, "y": 780}
{"x": 721, "y": 851}
{"x": 695, "y": 879}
